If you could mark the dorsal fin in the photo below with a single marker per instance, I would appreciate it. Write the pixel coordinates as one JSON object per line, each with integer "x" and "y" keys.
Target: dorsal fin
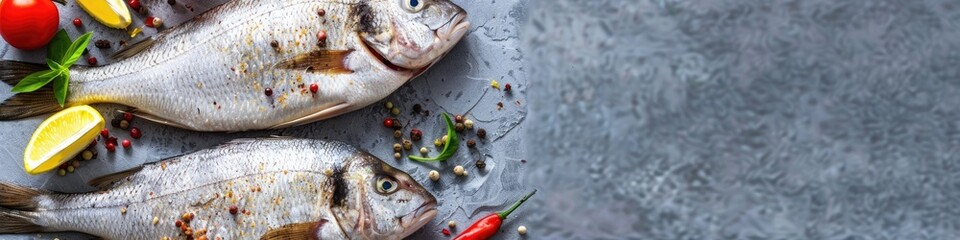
{"x": 323, "y": 60}
{"x": 104, "y": 181}
{"x": 307, "y": 230}
{"x": 133, "y": 49}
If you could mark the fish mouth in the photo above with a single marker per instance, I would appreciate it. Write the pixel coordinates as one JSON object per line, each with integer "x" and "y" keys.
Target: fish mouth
{"x": 418, "y": 218}
{"x": 445, "y": 37}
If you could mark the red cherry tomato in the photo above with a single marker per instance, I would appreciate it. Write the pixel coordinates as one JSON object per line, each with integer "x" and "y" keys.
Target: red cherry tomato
{"x": 28, "y": 24}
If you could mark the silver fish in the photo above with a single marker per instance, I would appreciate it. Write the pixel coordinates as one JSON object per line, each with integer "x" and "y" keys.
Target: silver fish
{"x": 250, "y": 188}
{"x": 252, "y": 64}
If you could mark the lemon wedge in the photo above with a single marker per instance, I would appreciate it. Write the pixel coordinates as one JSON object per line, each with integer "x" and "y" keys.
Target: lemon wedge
{"x": 61, "y": 137}
{"x": 112, "y": 13}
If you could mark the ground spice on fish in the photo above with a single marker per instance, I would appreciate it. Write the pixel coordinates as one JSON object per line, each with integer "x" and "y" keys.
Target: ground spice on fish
{"x": 506, "y": 88}
{"x": 314, "y": 88}
{"x": 234, "y": 210}
{"x": 321, "y": 12}
{"x": 178, "y": 223}
{"x": 274, "y": 44}
{"x": 268, "y": 92}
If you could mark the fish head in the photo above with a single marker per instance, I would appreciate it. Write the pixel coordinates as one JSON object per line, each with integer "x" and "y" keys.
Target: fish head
{"x": 387, "y": 203}
{"x": 410, "y": 34}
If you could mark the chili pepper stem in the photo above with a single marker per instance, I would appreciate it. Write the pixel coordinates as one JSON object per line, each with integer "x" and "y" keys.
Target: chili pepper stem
{"x": 503, "y": 214}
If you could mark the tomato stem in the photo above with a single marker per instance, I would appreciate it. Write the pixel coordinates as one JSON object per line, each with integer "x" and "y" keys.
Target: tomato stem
{"x": 503, "y": 214}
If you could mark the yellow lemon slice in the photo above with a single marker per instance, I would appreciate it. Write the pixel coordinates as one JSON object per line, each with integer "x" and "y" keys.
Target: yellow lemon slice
{"x": 112, "y": 13}
{"x": 61, "y": 137}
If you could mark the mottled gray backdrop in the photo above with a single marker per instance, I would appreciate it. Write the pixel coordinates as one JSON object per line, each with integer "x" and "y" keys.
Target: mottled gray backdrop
{"x": 806, "y": 119}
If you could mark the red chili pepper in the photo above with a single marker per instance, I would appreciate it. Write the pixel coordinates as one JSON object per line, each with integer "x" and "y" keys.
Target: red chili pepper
{"x": 488, "y": 226}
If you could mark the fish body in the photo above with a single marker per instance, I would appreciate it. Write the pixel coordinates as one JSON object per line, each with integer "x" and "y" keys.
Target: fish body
{"x": 294, "y": 188}
{"x": 253, "y": 64}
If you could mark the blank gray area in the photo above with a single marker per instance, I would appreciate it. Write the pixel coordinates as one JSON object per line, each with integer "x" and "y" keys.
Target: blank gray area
{"x": 807, "y": 119}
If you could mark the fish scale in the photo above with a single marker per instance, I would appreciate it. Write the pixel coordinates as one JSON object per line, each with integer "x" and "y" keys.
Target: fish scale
{"x": 212, "y": 73}
{"x": 274, "y": 182}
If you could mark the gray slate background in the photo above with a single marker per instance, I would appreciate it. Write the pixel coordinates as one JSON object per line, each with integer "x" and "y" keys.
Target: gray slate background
{"x": 805, "y": 119}
{"x": 459, "y": 83}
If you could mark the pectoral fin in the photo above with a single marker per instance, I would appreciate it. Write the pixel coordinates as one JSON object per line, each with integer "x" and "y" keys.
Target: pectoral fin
{"x": 104, "y": 181}
{"x": 332, "y": 111}
{"x": 329, "y": 61}
{"x": 158, "y": 119}
{"x": 307, "y": 230}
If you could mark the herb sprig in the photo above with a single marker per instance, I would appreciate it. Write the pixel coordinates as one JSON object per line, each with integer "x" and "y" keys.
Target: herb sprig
{"x": 450, "y": 147}
{"x": 61, "y": 55}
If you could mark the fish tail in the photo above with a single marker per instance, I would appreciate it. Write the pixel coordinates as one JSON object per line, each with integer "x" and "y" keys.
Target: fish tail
{"x": 17, "y": 206}
{"x": 24, "y": 105}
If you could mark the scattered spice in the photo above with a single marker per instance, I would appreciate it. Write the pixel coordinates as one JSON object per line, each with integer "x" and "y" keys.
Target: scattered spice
{"x": 62, "y": 172}
{"x": 124, "y": 124}
{"x": 153, "y": 22}
{"x": 522, "y": 230}
{"x": 434, "y": 175}
{"x": 322, "y": 38}
{"x": 424, "y": 150}
{"x": 234, "y": 210}
{"x": 459, "y": 127}
{"x": 128, "y": 116}
{"x": 446, "y": 232}
{"x": 178, "y": 223}
{"x": 92, "y": 61}
{"x": 101, "y": 44}
{"x": 499, "y": 105}
{"x": 77, "y": 22}
{"x": 156, "y": 220}
{"x": 187, "y": 217}
{"x": 123, "y": 210}
{"x": 268, "y": 92}
{"x": 507, "y": 87}
{"x": 468, "y": 123}
{"x": 416, "y": 134}
{"x": 494, "y": 84}
{"x": 397, "y": 134}
{"x": 481, "y": 164}
{"x": 452, "y": 224}
{"x": 471, "y": 143}
{"x": 451, "y": 144}
{"x": 314, "y": 88}
{"x": 482, "y": 133}
{"x": 71, "y": 168}
{"x": 395, "y": 111}
{"x": 75, "y": 163}
{"x": 112, "y": 140}
{"x": 111, "y": 147}
{"x": 321, "y": 12}
{"x": 437, "y": 142}
{"x": 407, "y": 145}
{"x": 458, "y": 170}
{"x": 126, "y": 143}
{"x": 396, "y": 124}
{"x": 397, "y": 155}
{"x": 397, "y": 147}
{"x": 135, "y": 133}
{"x": 388, "y": 105}
{"x": 135, "y": 4}
{"x": 172, "y": 2}
{"x": 87, "y": 155}
{"x": 388, "y": 122}
{"x": 115, "y": 122}
{"x": 417, "y": 108}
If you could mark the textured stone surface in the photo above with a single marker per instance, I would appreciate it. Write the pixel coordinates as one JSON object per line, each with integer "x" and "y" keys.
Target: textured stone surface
{"x": 809, "y": 119}
{"x": 458, "y": 84}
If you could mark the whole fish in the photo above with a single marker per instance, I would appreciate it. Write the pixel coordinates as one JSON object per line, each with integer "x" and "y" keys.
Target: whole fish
{"x": 276, "y": 188}
{"x": 261, "y": 64}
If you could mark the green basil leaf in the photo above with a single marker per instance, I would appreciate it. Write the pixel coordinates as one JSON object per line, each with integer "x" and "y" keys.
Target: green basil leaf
{"x": 449, "y": 148}
{"x": 75, "y": 50}
{"x": 54, "y": 65}
{"x": 60, "y": 87}
{"x": 35, "y": 81}
{"x": 58, "y": 46}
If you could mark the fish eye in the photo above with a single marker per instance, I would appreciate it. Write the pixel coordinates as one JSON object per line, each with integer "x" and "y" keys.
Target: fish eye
{"x": 413, "y": 5}
{"x": 386, "y": 185}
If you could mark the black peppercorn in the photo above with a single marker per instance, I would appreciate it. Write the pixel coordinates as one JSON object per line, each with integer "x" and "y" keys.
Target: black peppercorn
{"x": 416, "y": 134}
{"x": 459, "y": 127}
{"x": 101, "y": 44}
{"x": 172, "y": 2}
{"x": 481, "y": 164}
{"x": 417, "y": 108}
{"x": 471, "y": 143}
{"x": 115, "y": 122}
{"x": 482, "y": 133}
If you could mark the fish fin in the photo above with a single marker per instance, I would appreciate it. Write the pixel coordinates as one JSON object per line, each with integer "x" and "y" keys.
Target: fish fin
{"x": 105, "y": 180}
{"x": 133, "y": 49}
{"x": 157, "y": 119}
{"x": 19, "y": 197}
{"x": 16, "y": 221}
{"x": 329, "y": 112}
{"x": 11, "y": 72}
{"x": 324, "y": 60}
{"x": 307, "y": 230}
{"x": 29, "y": 104}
